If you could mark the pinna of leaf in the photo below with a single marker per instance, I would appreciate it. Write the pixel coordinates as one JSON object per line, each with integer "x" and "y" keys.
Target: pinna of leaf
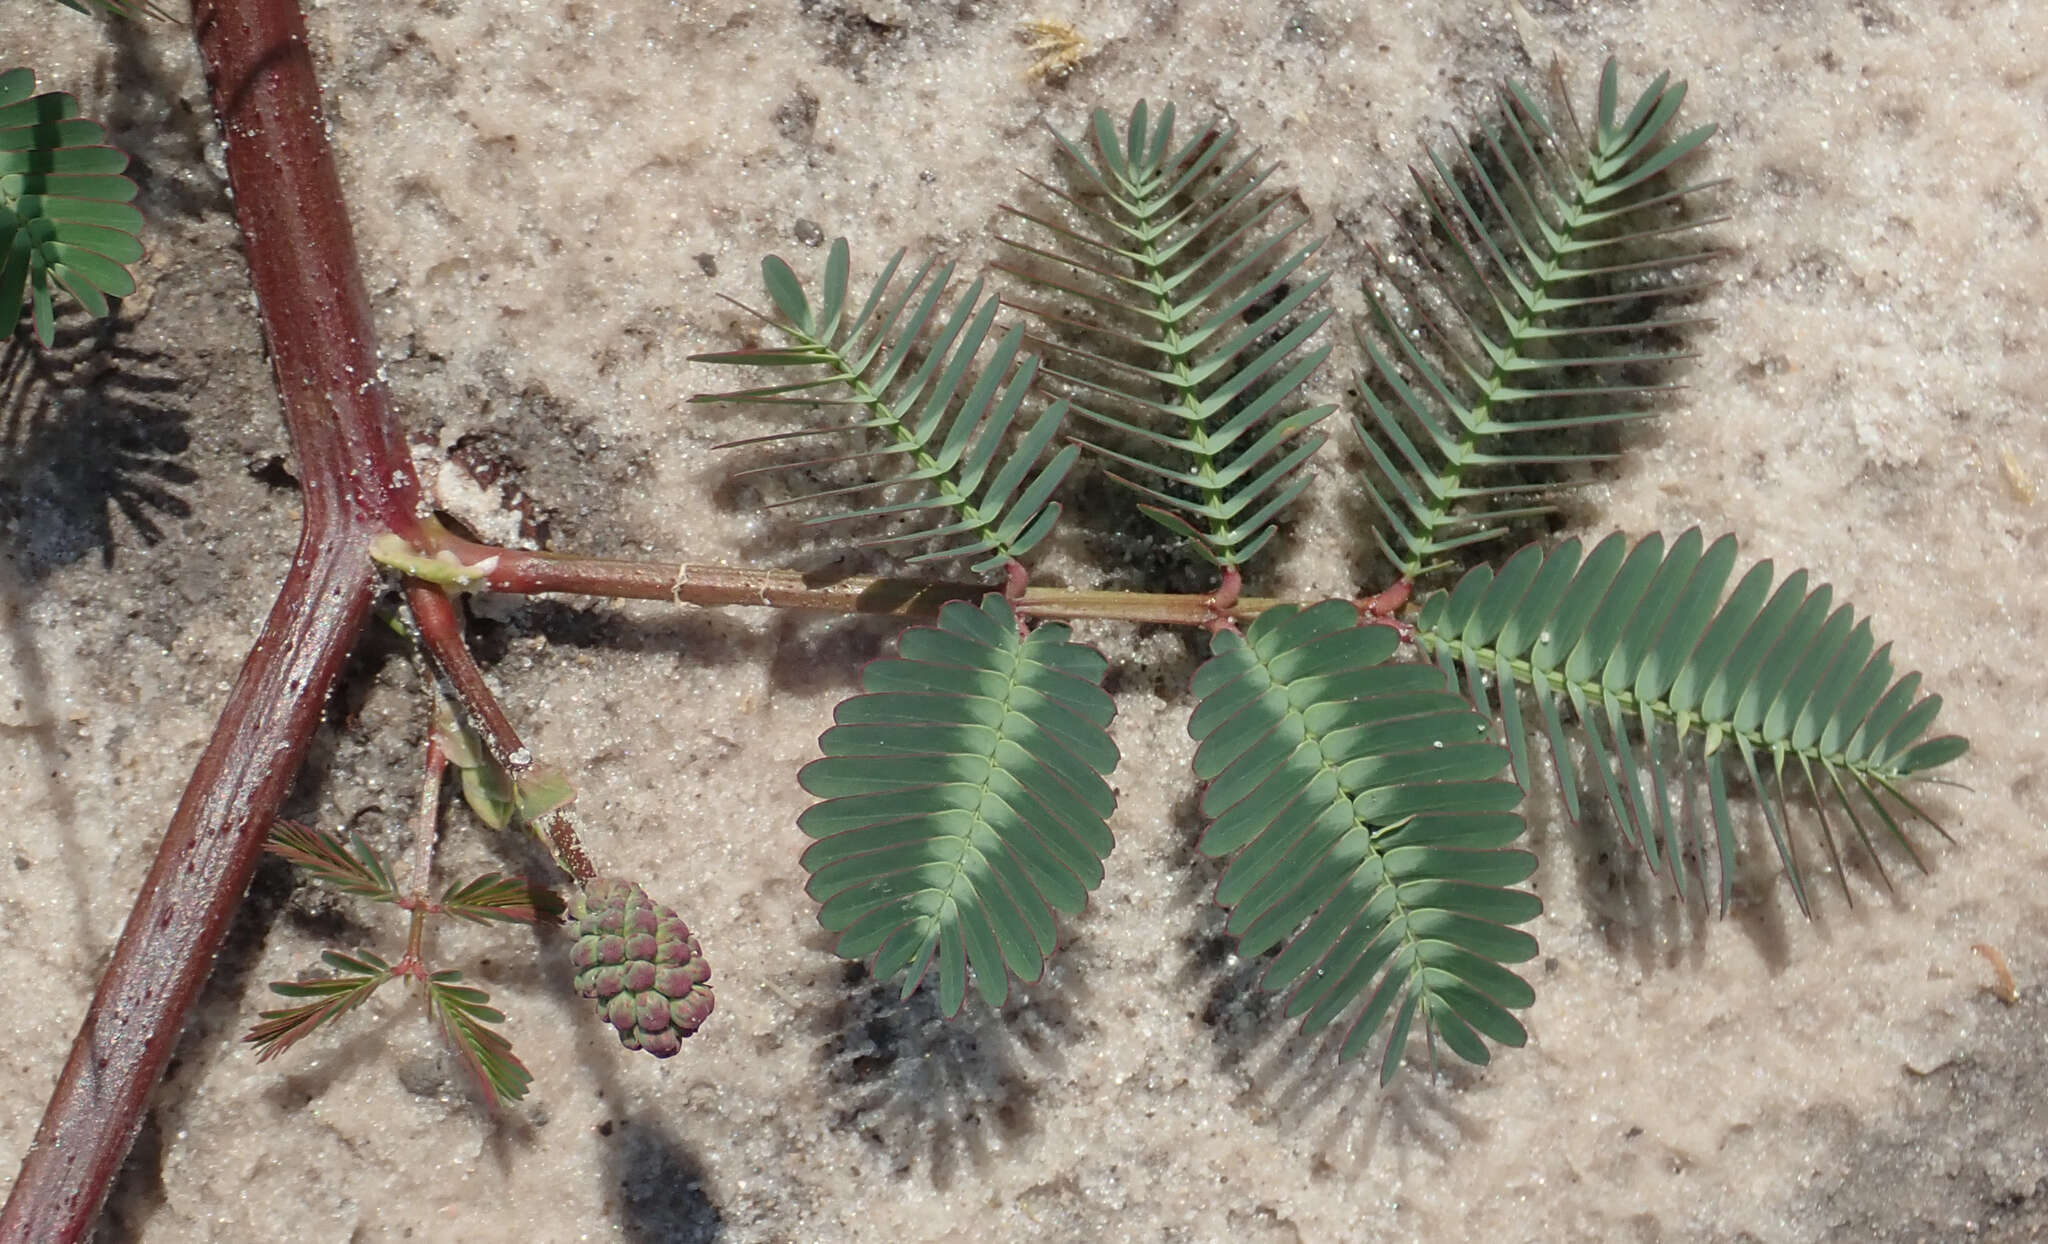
{"x": 1666, "y": 681}
{"x": 1560, "y": 261}
{"x": 1186, "y": 315}
{"x": 66, "y": 220}
{"x": 964, "y": 802}
{"x": 900, "y": 407}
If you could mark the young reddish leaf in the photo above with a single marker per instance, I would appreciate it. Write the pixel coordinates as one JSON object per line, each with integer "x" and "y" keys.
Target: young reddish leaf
{"x": 466, "y": 1018}
{"x": 496, "y": 897}
{"x": 353, "y": 867}
{"x": 331, "y": 997}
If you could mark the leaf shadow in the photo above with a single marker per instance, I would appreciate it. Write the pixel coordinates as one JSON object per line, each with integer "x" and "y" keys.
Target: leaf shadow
{"x": 1299, "y": 1088}
{"x": 814, "y": 654}
{"x": 929, "y": 1093}
{"x": 165, "y": 136}
{"x": 89, "y": 433}
{"x": 694, "y": 638}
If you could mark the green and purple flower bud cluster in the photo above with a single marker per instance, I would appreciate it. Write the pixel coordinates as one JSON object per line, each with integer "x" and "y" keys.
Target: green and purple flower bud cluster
{"x": 638, "y": 961}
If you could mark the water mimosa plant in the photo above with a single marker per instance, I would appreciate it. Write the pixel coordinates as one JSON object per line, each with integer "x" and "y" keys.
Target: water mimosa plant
{"x": 1362, "y": 763}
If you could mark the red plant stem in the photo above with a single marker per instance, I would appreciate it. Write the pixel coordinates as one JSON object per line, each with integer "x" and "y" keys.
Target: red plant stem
{"x": 426, "y": 832}
{"x": 440, "y": 631}
{"x": 358, "y": 481}
{"x": 426, "y": 828}
{"x": 426, "y": 815}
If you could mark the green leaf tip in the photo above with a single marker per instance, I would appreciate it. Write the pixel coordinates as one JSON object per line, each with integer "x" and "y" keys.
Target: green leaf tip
{"x": 964, "y": 802}
{"x": 936, "y": 406}
{"x": 1369, "y": 833}
{"x": 1188, "y": 316}
{"x": 1559, "y": 262}
{"x": 1668, "y": 677}
{"x": 66, "y": 221}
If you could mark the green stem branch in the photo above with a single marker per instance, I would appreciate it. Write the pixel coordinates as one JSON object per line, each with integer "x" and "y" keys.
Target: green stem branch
{"x": 525, "y": 573}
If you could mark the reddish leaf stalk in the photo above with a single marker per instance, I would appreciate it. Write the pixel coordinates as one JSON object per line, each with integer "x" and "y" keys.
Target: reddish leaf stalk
{"x": 357, "y": 481}
{"x": 440, "y": 631}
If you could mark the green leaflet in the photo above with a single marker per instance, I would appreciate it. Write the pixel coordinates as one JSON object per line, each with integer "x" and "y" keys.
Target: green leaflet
{"x": 1558, "y": 259}
{"x": 65, "y": 218}
{"x": 964, "y": 802}
{"x": 1664, "y": 677}
{"x": 955, "y": 458}
{"x": 1194, "y": 309}
{"x": 1368, "y": 830}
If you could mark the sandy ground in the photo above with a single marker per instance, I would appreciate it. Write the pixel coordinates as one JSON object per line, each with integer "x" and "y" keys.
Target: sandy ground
{"x": 550, "y": 194}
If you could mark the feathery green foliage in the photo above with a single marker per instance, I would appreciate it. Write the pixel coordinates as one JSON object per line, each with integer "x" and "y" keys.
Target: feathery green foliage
{"x": 65, "y": 217}
{"x": 357, "y": 977}
{"x": 1639, "y": 641}
{"x": 1559, "y": 266}
{"x": 964, "y": 802}
{"x": 1188, "y": 291}
{"x": 1370, "y": 833}
{"x": 354, "y": 867}
{"x": 467, "y": 1019}
{"x": 906, "y": 409}
{"x": 1361, "y": 803}
{"x": 351, "y": 866}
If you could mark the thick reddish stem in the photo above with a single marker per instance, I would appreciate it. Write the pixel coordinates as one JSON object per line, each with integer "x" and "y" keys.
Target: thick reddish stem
{"x": 357, "y": 481}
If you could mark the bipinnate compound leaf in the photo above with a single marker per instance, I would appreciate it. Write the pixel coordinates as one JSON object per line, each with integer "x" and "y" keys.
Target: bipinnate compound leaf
{"x": 923, "y": 408}
{"x": 65, "y": 217}
{"x": 1369, "y": 834}
{"x": 964, "y": 802}
{"x": 1558, "y": 262}
{"x": 1181, "y": 273}
{"x": 1635, "y": 653}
